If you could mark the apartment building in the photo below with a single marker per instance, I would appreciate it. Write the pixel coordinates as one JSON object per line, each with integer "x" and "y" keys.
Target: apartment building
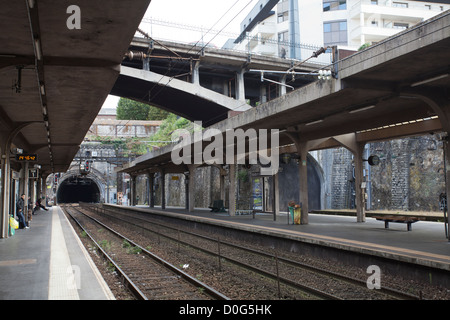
{"x": 292, "y": 28}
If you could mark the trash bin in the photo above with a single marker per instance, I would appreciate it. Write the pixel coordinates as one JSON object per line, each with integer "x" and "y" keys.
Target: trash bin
{"x": 291, "y": 206}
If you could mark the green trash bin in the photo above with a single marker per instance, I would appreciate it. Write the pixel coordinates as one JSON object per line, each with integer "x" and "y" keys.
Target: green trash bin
{"x": 291, "y": 214}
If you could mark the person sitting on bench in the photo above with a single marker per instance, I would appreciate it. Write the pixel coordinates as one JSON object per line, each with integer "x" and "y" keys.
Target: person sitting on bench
{"x": 38, "y": 206}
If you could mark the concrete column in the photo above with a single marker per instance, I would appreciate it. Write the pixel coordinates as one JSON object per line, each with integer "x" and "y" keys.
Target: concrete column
{"x": 303, "y": 174}
{"x": 240, "y": 86}
{"x": 196, "y": 73}
{"x": 263, "y": 93}
{"x": 132, "y": 190}
{"x": 191, "y": 188}
{"x": 5, "y": 194}
{"x": 26, "y": 189}
{"x": 222, "y": 185}
{"x": 232, "y": 190}
{"x": 276, "y": 197}
{"x": 447, "y": 175}
{"x": 283, "y": 88}
{"x": 151, "y": 195}
{"x": 360, "y": 187}
{"x": 302, "y": 150}
{"x": 163, "y": 190}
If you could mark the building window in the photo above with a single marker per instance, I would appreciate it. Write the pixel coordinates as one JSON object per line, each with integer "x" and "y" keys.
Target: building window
{"x": 283, "y": 37}
{"x": 400, "y": 4}
{"x": 374, "y": 2}
{"x": 283, "y": 43}
{"x": 335, "y": 33}
{"x": 401, "y": 26}
{"x": 283, "y": 16}
{"x": 330, "y": 5}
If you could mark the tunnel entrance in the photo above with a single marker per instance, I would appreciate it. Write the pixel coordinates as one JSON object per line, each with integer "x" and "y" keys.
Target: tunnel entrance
{"x": 74, "y": 190}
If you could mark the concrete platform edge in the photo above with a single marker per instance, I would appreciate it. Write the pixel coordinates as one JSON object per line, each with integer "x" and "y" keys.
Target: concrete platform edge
{"x": 341, "y": 244}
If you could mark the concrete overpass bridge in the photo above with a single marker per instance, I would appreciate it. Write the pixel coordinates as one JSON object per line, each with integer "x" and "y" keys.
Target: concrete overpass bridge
{"x": 396, "y": 88}
{"x": 205, "y": 84}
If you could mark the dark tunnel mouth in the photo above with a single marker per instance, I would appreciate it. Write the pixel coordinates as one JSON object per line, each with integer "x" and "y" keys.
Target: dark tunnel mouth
{"x": 80, "y": 190}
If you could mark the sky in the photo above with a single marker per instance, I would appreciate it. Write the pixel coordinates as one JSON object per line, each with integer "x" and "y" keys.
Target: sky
{"x": 172, "y": 18}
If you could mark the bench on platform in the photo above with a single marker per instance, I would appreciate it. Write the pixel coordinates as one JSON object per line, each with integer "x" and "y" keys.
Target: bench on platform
{"x": 217, "y": 206}
{"x": 399, "y": 219}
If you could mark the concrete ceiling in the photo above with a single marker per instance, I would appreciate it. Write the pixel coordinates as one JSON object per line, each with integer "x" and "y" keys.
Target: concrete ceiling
{"x": 76, "y": 69}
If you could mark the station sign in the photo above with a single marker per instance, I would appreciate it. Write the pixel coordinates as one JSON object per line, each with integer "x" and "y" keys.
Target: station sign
{"x": 26, "y": 157}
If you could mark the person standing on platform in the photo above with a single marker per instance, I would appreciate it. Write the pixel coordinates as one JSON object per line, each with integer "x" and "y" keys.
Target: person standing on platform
{"x": 20, "y": 212}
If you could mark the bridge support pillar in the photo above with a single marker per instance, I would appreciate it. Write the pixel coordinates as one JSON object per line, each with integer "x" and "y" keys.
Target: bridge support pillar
{"x": 240, "y": 86}
{"x": 283, "y": 87}
{"x": 196, "y": 73}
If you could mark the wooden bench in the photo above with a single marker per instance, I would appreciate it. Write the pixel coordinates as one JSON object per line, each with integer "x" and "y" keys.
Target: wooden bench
{"x": 217, "y": 206}
{"x": 399, "y": 219}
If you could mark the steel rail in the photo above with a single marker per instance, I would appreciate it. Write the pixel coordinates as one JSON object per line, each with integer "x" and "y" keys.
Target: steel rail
{"x": 138, "y": 294}
{"x": 383, "y": 290}
{"x": 296, "y": 285}
{"x": 207, "y": 289}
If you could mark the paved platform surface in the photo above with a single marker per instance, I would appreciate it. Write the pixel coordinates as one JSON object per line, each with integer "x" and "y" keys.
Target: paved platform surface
{"x": 48, "y": 262}
{"x": 426, "y": 244}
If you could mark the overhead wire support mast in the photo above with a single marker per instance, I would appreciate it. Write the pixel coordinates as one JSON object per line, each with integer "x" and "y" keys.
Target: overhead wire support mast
{"x": 314, "y": 55}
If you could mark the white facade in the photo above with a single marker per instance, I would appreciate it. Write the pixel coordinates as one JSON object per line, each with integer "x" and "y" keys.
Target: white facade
{"x": 346, "y": 23}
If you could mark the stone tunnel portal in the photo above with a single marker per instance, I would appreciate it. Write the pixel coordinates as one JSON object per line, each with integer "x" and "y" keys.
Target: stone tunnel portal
{"x": 78, "y": 190}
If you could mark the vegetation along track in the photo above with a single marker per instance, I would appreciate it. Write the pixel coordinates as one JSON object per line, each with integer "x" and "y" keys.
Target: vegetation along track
{"x": 256, "y": 273}
{"x": 146, "y": 275}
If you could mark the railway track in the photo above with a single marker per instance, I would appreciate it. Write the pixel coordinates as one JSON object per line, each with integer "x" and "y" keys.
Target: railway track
{"x": 146, "y": 275}
{"x": 294, "y": 274}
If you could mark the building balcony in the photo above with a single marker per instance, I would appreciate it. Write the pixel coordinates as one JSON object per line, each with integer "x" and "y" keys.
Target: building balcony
{"x": 369, "y": 34}
{"x": 413, "y": 12}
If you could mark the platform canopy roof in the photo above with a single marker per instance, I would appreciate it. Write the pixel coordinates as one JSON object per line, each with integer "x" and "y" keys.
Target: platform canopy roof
{"x": 54, "y": 78}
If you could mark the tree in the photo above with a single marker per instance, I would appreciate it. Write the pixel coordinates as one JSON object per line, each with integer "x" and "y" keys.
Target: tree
{"x": 156, "y": 113}
{"x": 131, "y": 110}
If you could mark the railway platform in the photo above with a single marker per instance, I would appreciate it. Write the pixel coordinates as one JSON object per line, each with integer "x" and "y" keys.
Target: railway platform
{"x": 426, "y": 246}
{"x": 48, "y": 262}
